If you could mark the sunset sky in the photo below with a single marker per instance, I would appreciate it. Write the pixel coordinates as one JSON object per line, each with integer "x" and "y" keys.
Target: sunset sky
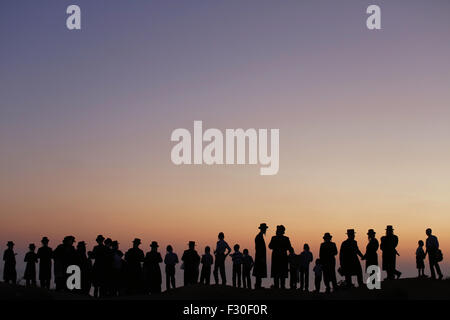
{"x": 86, "y": 118}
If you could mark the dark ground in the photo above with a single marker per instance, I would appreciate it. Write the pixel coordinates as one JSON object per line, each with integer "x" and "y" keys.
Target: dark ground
{"x": 404, "y": 289}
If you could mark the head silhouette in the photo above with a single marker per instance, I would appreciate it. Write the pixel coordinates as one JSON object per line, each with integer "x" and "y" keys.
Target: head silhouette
{"x": 236, "y": 247}
{"x": 192, "y": 245}
{"x": 115, "y": 245}
{"x": 221, "y": 236}
{"x": 10, "y": 244}
{"x": 421, "y": 243}
{"x": 306, "y": 247}
{"x": 44, "y": 241}
{"x": 100, "y": 239}
{"x": 263, "y": 228}
{"x": 280, "y": 230}
{"x": 245, "y": 252}
{"x": 371, "y": 234}
{"x": 32, "y": 247}
{"x": 389, "y": 230}
{"x": 327, "y": 237}
{"x": 169, "y": 248}
{"x": 351, "y": 234}
{"x": 136, "y": 243}
{"x": 207, "y": 249}
{"x": 428, "y": 232}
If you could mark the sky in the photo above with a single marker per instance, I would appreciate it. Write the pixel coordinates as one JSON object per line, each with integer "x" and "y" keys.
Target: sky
{"x": 86, "y": 118}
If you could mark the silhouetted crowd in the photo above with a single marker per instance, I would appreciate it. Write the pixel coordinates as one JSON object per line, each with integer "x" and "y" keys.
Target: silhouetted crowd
{"x": 110, "y": 272}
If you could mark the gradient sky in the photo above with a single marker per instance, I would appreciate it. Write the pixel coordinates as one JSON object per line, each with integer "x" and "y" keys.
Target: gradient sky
{"x": 86, "y": 118}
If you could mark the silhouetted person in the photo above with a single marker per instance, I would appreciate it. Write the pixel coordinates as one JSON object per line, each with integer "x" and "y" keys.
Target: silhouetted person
{"x": 109, "y": 281}
{"x": 44, "y": 255}
{"x": 294, "y": 268}
{"x": 221, "y": 252}
{"x": 191, "y": 262}
{"x": 83, "y": 263}
{"x": 260, "y": 268}
{"x": 420, "y": 257}
{"x": 152, "y": 270}
{"x": 388, "y": 246}
{"x": 30, "y": 268}
{"x": 64, "y": 256}
{"x": 432, "y": 246}
{"x": 327, "y": 256}
{"x": 280, "y": 245}
{"x": 134, "y": 257}
{"x": 317, "y": 275}
{"x": 236, "y": 257}
{"x": 99, "y": 269}
{"x": 247, "y": 265}
{"x": 371, "y": 255}
{"x": 117, "y": 270}
{"x": 206, "y": 261}
{"x": 9, "y": 270}
{"x": 170, "y": 260}
{"x": 306, "y": 257}
{"x": 348, "y": 257}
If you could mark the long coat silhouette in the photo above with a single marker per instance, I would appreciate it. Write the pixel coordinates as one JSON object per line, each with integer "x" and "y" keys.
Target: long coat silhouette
{"x": 44, "y": 254}
{"x": 9, "y": 270}
{"x": 30, "y": 268}
{"x": 152, "y": 271}
{"x": 371, "y": 255}
{"x": 191, "y": 262}
{"x": 260, "y": 268}
{"x": 388, "y": 246}
{"x": 348, "y": 257}
{"x": 280, "y": 246}
{"x": 327, "y": 256}
{"x": 133, "y": 257}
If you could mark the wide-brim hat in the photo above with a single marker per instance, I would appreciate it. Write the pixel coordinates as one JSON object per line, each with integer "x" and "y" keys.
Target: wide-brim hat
{"x": 10, "y": 243}
{"x": 192, "y": 243}
{"x": 263, "y": 226}
{"x": 69, "y": 238}
{"x": 350, "y": 231}
{"x": 100, "y": 238}
{"x": 281, "y": 228}
{"x": 154, "y": 244}
{"x": 371, "y": 231}
{"x": 327, "y": 235}
{"x": 32, "y": 246}
{"x": 389, "y": 228}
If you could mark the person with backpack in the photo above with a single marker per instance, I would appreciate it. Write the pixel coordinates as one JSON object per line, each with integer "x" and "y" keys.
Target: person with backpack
{"x": 434, "y": 254}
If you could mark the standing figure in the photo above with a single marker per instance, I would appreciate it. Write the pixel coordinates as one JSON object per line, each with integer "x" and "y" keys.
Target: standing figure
{"x": 327, "y": 256}
{"x": 371, "y": 255}
{"x": 236, "y": 257}
{"x": 420, "y": 257}
{"x": 348, "y": 257}
{"x": 220, "y": 254}
{"x": 247, "y": 265}
{"x": 434, "y": 254}
{"x": 170, "y": 260}
{"x": 117, "y": 270}
{"x": 294, "y": 268}
{"x": 206, "y": 261}
{"x": 83, "y": 263}
{"x": 191, "y": 262}
{"x": 388, "y": 246}
{"x": 44, "y": 255}
{"x": 134, "y": 257}
{"x": 306, "y": 257}
{"x": 280, "y": 245}
{"x": 317, "y": 276}
{"x": 152, "y": 271}
{"x": 30, "y": 268}
{"x": 9, "y": 270}
{"x": 260, "y": 268}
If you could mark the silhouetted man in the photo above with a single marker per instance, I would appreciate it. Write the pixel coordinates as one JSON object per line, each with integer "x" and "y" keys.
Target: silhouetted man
{"x": 280, "y": 245}
{"x": 220, "y": 253}
{"x": 260, "y": 268}
{"x": 371, "y": 255}
{"x": 152, "y": 270}
{"x": 348, "y": 257}
{"x": 134, "y": 256}
{"x": 44, "y": 254}
{"x": 327, "y": 256}
{"x": 99, "y": 270}
{"x": 432, "y": 246}
{"x": 388, "y": 246}
{"x": 191, "y": 262}
{"x": 83, "y": 263}
{"x": 9, "y": 270}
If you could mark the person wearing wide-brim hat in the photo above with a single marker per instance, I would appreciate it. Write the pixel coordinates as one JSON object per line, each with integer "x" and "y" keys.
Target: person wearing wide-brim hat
{"x": 134, "y": 256}
{"x": 327, "y": 256}
{"x": 191, "y": 262}
{"x": 9, "y": 269}
{"x": 260, "y": 267}
{"x": 388, "y": 247}
{"x": 30, "y": 268}
{"x": 45, "y": 254}
{"x": 152, "y": 270}
{"x": 371, "y": 255}
{"x": 280, "y": 245}
{"x": 348, "y": 257}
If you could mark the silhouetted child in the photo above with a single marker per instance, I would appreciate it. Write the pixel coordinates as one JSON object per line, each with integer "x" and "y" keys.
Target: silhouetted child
{"x": 9, "y": 270}
{"x": 306, "y": 258}
{"x": 30, "y": 269}
{"x": 206, "y": 261}
{"x": 317, "y": 275}
{"x": 247, "y": 265}
{"x": 294, "y": 265}
{"x": 171, "y": 259}
{"x": 236, "y": 257}
{"x": 420, "y": 257}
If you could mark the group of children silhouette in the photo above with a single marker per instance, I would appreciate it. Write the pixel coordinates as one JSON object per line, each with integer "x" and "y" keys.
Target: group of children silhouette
{"x": 111, "y": 272}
